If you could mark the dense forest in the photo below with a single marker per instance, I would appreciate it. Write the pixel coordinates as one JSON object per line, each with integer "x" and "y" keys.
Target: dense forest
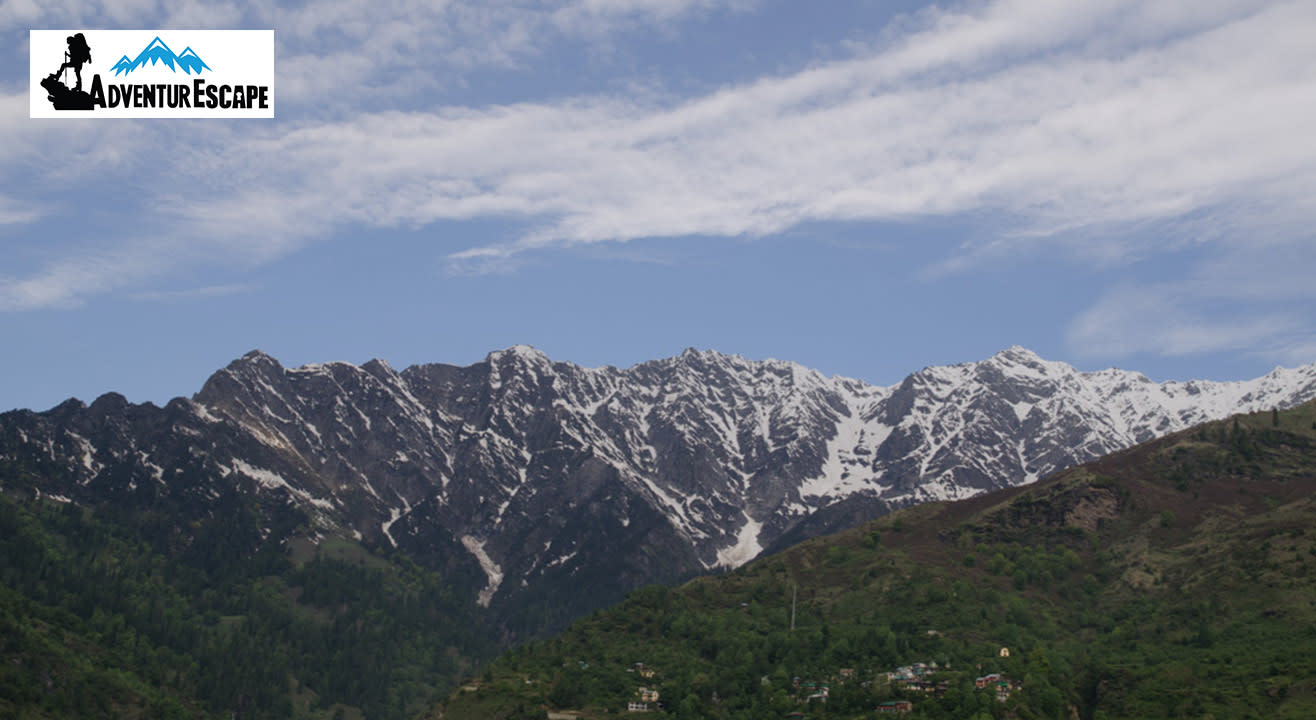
{"x": 133, "y": 616}
{"x": 1170, "y": 580}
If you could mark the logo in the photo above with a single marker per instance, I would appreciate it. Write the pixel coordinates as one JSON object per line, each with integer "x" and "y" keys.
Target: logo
{"x": 235, "y": 80}
{"x": 158, "y": 52}
{"x": 77, "y": 55}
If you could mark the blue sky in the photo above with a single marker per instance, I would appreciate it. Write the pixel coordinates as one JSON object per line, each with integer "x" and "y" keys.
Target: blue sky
{"x": 863, "y": 187}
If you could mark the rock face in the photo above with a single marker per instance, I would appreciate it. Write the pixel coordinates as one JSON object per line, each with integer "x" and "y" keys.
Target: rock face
{"x": 527, "y": 480}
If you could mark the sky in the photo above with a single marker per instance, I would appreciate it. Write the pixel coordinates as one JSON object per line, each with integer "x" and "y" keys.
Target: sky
{"x": 863, "y": 187}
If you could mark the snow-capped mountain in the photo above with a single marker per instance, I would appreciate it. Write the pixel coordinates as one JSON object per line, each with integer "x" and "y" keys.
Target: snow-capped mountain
{"x": 524, "y": 478}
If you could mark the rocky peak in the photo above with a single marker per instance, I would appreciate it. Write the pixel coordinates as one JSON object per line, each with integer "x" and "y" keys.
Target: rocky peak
{"x": 555, "y": 472}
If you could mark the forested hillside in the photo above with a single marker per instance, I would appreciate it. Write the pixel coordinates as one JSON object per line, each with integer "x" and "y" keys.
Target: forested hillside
{"x": 123, "y": 617}
{"x": 1169, "y": 580}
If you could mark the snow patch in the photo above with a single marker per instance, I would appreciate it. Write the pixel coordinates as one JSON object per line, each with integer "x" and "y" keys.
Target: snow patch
{"x": 1030, "y": 476}
{"x": 157, "y": 472}
{"x": 280, "y": 442}
{"x": 394, "y": 514}
{"x": 562, "y": 560}
{"x": 204, "y": 413}
{"x": 491, "y": 569}
{"x": 841, "y": 472}
{"x": 266, "y": 478}
{"x": 88, "y": 451}
{"x": 747, "y": 545}
{"x": 677, "y": 515}
{"x": 273, "y": 481}
{"x": 1021, "y": 410}
{"x": 56, "y": 498}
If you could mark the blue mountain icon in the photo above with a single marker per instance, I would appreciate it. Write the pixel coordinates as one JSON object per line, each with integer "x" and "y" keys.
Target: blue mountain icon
{"x": 158, "y": 52}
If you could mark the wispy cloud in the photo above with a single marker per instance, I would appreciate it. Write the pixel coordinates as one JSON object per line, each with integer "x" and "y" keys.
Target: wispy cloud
{"x": 384, "y": 52}
{"x": 1056, "y": 140}
{"x": 1077, "y": 123}
{"x": 68, "y": 281}
{"x": 334, "y": 56}
{"x": 1254, "y": 297}
{"x": 13, "y": 212}
{"x": 1168, "y": 319}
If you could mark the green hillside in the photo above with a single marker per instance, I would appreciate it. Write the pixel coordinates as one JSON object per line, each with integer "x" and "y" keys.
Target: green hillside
{"x": 126, "y": 617}
{"x": 1170, "y": 580}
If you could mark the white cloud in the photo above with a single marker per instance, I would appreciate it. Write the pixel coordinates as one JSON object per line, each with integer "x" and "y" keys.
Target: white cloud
{"x": 1063, "y": 122}
{"x": 383, "y": 51}
{"x": 1059, "y": 142}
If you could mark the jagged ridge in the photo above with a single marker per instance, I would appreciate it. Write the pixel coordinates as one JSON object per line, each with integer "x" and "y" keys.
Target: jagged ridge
{"x": 525, "y": 476}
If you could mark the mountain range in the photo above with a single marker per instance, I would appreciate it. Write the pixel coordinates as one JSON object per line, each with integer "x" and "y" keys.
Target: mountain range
{"x": 523, "y": 480}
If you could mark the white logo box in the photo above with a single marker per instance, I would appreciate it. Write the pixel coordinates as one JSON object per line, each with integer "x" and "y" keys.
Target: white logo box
{"x": 237, "y": 82}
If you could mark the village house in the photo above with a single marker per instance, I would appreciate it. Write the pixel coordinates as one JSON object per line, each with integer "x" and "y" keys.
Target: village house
{"x": 1002, "y": 686}
{"x": 895, "y": 707}
{"x": 923, "y": 686}
{"x": 637, "y": 707}
{"x": 647, "y": 695}
{"x": 911, "y": 672}
{"x": 817, "y": 692}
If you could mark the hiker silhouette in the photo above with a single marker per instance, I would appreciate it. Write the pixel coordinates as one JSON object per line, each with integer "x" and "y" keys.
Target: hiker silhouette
{"x": 77, "y": 54}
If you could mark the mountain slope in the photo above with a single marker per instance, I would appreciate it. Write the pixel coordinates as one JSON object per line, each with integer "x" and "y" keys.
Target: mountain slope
{"x": 518, "y": 477}
{"x": 1169, "y": 580}
{"x": 125, "y": 613}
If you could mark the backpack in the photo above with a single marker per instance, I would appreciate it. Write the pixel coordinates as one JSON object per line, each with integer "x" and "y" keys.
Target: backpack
{"x": 79, "y": 52}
